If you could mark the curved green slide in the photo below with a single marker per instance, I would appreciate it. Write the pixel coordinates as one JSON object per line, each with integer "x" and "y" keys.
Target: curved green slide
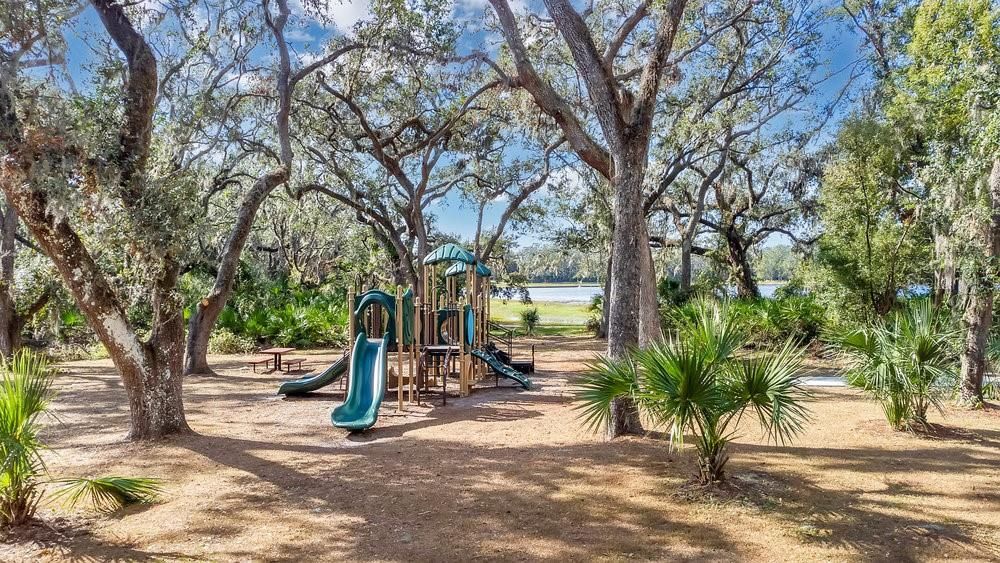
{"x": 502, "y": 368}
{"x": 315, "y": 382}
{"x": 366, "y": 384}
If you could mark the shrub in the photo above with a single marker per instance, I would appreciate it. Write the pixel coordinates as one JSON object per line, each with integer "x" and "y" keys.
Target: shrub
{"x": 223, "y": 341}
{"x": 698, "y": 384}
{"x": 596, "y": 310}
{"x": 529, "y": 320}
{"x": 25, "y": 393}
{"x": 286, "y": 316}
{"x": 768, "y": 322}
{"x": 907, "y": 363}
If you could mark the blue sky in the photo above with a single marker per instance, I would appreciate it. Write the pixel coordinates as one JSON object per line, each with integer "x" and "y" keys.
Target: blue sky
{"x": 309, "y": 30}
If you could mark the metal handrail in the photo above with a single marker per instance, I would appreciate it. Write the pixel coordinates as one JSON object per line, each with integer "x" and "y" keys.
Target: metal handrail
{"x": 504, "y": 335}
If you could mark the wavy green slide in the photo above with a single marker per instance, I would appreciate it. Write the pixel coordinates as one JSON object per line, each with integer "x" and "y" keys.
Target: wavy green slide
{"x": 366, "y": 384}
{"x": 502, "y": 368}
{"x": 315, "y": 382}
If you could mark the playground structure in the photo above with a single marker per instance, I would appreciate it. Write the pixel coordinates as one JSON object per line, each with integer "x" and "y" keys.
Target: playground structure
{"x": 439, "y": 334}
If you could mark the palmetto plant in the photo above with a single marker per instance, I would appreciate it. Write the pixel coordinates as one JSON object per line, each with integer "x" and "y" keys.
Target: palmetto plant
{"x": 700, "y": 385}
{"x": 25, "y": 392}
{"x": 907, "y": 363}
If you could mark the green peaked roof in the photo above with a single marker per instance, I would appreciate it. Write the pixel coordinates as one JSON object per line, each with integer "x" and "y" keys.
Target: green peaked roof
{"x": 461, "y": 267}
{"x": 450, "y": 253}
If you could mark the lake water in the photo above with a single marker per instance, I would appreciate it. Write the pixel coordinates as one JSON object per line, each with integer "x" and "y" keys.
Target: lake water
{"x": 584, "y": 293}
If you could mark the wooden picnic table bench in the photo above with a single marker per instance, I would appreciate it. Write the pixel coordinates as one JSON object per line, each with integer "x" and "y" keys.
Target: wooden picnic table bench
{"x": 293, "y": 361}
{"x": 277, "y": 352}
{"x": 257, "y": 361}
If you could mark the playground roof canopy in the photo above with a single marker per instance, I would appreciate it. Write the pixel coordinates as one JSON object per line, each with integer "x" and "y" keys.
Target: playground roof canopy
{"x": 461, "y": 267}
{"x": 450, "y": 253}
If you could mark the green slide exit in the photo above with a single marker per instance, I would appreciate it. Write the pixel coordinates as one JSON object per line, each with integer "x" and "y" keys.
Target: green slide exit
{"x": 502, "y": 368}
{"x": 366, "y": 384}
{"x": 315, "y": 382}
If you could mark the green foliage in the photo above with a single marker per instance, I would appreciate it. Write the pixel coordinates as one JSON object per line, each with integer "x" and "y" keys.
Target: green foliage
{"x": 224, "y": 341}
{"x": 596, "y": 310}
{"x": 668, "y": 290}
{"x": 767, "y": 322}
{"x": 874, "y": 242}
{"x": 25, "y": 393}
{"x": 776, "y": 263}
{"x": 530, "y": 320}
{"x": 701, "y": 384}
{"x": 107, "y": 494}
{"x": 278, "y": 314}
{"x": 907, "y": 363}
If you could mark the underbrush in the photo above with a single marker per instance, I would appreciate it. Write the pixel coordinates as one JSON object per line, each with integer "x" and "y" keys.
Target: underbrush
{"x": 281, "y": 315}
{"x": 800, "y": 319}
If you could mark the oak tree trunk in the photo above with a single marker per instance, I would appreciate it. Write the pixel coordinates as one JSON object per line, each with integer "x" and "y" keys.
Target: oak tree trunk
{"x": 207, "y": 311}
{"x": 687, "y": 245}
{"x": 602, "y": 329}
{"x": 628, "y": 244}
{"x": 9, "y": 329}
{"x": 650, "y": 328}
{"x": 739, "y": 263}
{"x": 978, "y": 316}
{"x": 150, "y": 371}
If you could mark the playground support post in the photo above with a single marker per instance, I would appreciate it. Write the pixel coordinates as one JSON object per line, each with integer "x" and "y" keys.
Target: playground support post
{"x": 414, "y": 384}
{"x": 399, "y": 347}
{"x": 352, "y": 331}
{"x": 462, "y": 375}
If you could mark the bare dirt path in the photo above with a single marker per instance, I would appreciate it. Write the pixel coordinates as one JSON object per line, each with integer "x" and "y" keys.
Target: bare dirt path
{"x": 508, "y": 474}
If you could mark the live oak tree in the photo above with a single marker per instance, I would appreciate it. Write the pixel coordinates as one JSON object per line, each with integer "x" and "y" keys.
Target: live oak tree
{"x": 45, "y": 164}
{"x": 620, "y": 56}
{"x": 254, "y": 148}
{"x": 761, "y": 71}
{"x": 16, "y": 309}
{"x": 948, "y": 90}
{"x": 418, "y": 127}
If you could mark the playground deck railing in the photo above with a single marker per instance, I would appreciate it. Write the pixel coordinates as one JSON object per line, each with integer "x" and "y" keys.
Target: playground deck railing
{"x": 502, "y": 335}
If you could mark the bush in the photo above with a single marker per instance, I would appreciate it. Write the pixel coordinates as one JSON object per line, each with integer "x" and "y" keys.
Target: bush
{"x": 907, "y": 363}
{"x": 768, "y": 322}
{"x": 699, "y": 383}
{"x": 529, "y": 320}
{"x": 286, "y": 316}
{"x": 25, "y": 393}
{"x": 223, "y": 341}
{"x": 596, "y": 310}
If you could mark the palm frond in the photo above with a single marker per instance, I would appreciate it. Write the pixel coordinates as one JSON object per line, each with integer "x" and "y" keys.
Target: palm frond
{"x": 25, "y": 392}
{"x": 678, "y": 385}
{"x": 107, "y": 494}
{"x": 714, "y": 327}
{"x": 605, "y": 380}
{"x": 769, "y": 385}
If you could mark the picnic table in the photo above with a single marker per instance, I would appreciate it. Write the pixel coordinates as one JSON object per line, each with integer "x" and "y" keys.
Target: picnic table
{"x": 277, "y": 352}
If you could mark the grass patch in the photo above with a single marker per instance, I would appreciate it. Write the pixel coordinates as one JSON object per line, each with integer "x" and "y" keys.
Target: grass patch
{"x": 556, "y": 318}
{"x": 564, "y": 284}
{"x": 550, "y": 312}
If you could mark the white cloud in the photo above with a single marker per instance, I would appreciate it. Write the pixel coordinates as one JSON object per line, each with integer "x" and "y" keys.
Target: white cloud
{"x": 298, "y": 34}
{"x": 342, "y": 14}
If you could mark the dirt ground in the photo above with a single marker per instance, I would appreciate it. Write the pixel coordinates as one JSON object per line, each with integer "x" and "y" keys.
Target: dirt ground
{"x": 507, "y": 474}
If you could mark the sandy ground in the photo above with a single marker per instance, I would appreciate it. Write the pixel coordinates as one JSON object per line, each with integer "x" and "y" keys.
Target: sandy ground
{"x": 508, "y": 474}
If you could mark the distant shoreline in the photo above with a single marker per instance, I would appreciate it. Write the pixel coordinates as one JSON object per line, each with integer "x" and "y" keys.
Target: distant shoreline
{"x": 594, "y": 284}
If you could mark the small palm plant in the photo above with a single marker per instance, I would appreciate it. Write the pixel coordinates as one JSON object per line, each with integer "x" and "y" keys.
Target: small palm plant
{"x": 907, "y": 363}
{"x": 25, "y": 393}
{"x": 991, "y": 389}
{"x": 699, "y": 384}
{"x": 529, "y": 320}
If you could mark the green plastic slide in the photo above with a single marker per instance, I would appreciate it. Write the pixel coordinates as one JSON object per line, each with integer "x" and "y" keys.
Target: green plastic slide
{"x": 502, "y": 368}
{"x": 315, "y": 382}
{"x": 366, "y": 384}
